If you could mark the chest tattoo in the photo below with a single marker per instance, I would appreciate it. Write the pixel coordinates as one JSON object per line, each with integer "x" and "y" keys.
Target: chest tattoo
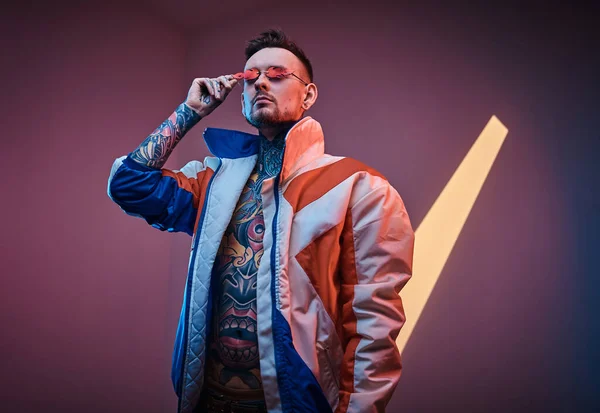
{"x": 233, "y": 357}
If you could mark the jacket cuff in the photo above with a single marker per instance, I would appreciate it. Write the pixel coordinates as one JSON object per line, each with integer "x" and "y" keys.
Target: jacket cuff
{"x": 131, "y": 164}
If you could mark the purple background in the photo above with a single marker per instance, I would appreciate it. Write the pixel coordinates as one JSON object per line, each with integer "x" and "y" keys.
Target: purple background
{"x": 91, "y": 296}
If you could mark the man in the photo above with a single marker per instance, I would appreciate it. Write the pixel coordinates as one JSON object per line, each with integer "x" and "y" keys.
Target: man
{"x": 291, "y": 302}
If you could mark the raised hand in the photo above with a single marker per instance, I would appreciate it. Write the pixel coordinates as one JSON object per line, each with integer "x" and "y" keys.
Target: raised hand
{"x": 206, "y": 94}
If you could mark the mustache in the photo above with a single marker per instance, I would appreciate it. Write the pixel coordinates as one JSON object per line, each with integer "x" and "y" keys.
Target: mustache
{"x": 262, "y": 95}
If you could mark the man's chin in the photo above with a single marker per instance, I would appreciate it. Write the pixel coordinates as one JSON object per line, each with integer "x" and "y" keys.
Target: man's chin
{"x": 262, "y": 120}
{"x": 268, "y": 118}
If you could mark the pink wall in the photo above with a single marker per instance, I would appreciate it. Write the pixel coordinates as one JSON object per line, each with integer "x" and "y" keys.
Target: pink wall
{"x": 91, "y": 296}
{"x": 408, "y": 91}
{"x": 85, "y": 287}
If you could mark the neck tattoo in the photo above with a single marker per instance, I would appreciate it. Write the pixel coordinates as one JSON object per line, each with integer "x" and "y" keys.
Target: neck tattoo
{"x": 270, "y": 156}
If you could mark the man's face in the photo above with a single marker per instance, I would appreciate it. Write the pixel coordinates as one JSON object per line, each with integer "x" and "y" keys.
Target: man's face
{"x": 269, "y": 102}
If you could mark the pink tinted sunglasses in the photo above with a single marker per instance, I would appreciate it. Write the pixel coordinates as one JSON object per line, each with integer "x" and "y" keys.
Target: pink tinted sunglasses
{"x": 272, "y": 73}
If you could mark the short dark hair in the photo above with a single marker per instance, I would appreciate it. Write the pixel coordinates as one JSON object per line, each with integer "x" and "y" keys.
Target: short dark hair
{"x": 277, "y": 38}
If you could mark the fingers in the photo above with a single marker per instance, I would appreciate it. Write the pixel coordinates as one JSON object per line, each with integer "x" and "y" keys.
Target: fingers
{"x": 222, "y": 86}
{"x": 228, "y": 83}
{"x": 205, "y": 83}
{"x": 217, "y": 88}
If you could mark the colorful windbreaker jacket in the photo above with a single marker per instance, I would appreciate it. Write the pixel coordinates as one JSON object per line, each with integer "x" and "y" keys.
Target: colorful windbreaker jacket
{"x": 338, "y": 248}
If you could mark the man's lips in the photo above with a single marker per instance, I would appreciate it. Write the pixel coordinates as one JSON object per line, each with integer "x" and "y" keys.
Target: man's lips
{"x": 262, "y": 99}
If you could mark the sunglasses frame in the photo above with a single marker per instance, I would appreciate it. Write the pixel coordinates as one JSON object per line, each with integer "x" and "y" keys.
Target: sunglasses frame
{"x": 242, "y": 75}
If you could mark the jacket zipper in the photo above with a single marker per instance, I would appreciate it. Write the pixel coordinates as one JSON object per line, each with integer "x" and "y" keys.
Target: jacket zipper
{"x": 190, "y": 279}
{"x": 275, "y": 259}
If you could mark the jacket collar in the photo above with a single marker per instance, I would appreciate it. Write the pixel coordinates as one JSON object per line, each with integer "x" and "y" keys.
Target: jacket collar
{"x": 303, "y": 143}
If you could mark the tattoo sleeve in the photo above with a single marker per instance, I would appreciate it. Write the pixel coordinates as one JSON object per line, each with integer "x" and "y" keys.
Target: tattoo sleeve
{"x": 157, "y": 147}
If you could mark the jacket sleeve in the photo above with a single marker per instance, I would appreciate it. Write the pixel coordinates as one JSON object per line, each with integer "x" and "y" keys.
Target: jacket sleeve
{"x": 377, "y": 253}
{"x": 166, "y": 199}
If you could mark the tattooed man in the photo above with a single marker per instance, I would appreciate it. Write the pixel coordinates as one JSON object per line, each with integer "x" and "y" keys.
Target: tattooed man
{"x": 292, "y": 296}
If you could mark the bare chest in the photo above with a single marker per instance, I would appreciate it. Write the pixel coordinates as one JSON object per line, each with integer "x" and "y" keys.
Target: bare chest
{"x": 233, "y": 359}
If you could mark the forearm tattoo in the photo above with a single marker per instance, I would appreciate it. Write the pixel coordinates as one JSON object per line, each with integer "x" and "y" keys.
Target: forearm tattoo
{"x": 157, "y": 147}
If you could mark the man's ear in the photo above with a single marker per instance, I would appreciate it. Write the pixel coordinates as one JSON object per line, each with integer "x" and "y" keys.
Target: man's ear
{"x": 243, "y": 102}
{"x": 311, "y": 96}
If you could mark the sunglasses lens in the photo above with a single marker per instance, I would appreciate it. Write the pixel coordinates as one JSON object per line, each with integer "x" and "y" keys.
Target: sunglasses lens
{"x": 271, "y": 73}
{"x": 250, "y": 74}
{"x": 276, "y": 73}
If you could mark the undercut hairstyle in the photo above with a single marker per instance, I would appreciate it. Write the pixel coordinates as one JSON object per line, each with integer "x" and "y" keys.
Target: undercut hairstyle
{"x": 277, "y": 38}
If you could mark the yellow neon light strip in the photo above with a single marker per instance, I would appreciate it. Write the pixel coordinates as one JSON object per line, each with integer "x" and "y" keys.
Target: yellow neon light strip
{"x": 437, "y": 234}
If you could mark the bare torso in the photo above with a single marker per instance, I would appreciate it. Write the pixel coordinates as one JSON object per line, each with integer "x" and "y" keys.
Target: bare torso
{"x": 233, "y": 359}
{"x": 233, "y": 356}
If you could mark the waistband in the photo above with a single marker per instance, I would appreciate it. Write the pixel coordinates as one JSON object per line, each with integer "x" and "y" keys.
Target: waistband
{"x": 216, "y": 398}
{"x": 217, "y": 389}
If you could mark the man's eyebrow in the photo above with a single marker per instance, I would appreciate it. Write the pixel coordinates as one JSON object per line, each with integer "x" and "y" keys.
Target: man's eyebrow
{"x": 268, "y": 66}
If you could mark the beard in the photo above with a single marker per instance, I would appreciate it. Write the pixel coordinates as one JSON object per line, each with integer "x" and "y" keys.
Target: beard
{"x": 267, "y": 117}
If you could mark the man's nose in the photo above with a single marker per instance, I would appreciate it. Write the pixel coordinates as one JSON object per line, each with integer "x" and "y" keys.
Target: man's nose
{"x": 261, "y": 82}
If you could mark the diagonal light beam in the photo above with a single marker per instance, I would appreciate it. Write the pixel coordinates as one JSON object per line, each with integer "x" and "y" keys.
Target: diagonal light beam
{"x": 437, "y": 234}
